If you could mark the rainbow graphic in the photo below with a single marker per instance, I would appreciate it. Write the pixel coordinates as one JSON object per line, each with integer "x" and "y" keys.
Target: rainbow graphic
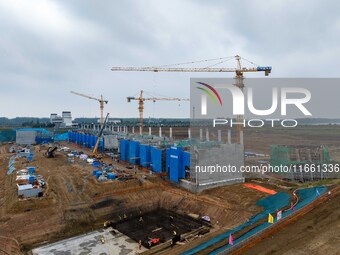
{"x": 211, "y": 91}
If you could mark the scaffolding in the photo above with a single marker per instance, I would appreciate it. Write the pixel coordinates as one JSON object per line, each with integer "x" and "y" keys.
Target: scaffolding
{"x": 298, "y": 154}
{"x": 305, "y": 161}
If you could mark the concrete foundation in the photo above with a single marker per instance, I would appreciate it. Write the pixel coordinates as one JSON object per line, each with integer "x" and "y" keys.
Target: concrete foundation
{"x": 115, "y": 243}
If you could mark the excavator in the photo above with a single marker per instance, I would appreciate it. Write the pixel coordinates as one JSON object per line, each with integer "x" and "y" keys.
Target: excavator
{"x": 50, "y": 151}
{"x": 94, "y": 153}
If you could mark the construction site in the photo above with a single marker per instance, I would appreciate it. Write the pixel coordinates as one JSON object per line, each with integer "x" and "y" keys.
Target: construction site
{"x": 133, "y": 188}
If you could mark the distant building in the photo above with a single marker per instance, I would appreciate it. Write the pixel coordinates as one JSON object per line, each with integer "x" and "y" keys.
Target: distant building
{"x": 56, "y": 120}
{"x": 65, "y": 120}
{"x": 53, "y": 116}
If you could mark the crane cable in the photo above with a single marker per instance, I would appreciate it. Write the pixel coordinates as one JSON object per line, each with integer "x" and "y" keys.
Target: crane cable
{"x": 199, "y": 61}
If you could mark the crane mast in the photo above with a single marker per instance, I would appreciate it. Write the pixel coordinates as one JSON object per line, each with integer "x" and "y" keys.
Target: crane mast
{"x": 141, "y": 100}
{"x": 101, "y": 103}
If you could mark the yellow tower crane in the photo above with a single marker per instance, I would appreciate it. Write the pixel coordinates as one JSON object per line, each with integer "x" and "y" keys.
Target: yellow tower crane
{"x": 141, "y": 100}
{"x": 239, "y": 70}
{"x": 101, "y": 102}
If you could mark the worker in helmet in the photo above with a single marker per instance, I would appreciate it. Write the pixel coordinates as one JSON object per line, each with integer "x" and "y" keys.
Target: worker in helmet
{"x": 102, "y": 239}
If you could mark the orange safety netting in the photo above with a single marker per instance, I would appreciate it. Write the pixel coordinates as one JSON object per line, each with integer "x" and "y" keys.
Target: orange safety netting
{"x": 260, "y": 188}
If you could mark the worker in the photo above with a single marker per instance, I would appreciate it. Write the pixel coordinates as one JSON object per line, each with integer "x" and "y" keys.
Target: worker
{"x": 140, "y": 244}
{"x": 141, "y": 220}
{"x": 153, "y": 241}
{"x": 102, "y": 239}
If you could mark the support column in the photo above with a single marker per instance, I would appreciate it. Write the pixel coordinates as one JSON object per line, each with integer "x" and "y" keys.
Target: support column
{"x": 207, "y": 138}
{"x": 149, "y": 130}
{"x": 229, "y": 136}
{"x": 219, "y": 136}
{"x": 133, "y": 130}
{"x": 241, "y": 136}
{"x": 201, "y": 134}
{"x": 189, "y": 133}
{"x": 170, "y": 131}
{"x": 160, "y": 131}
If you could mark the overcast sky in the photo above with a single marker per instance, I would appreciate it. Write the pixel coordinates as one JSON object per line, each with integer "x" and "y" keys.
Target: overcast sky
{"x": 49, "y": 48}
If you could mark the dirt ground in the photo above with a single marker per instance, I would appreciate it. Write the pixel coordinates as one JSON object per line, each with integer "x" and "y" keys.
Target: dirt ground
{"x": 75, "y": 202}
{"x": 318, "y": 232}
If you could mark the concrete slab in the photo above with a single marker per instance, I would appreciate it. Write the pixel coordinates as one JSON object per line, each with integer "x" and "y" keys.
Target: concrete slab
{"x": 115, "y": 244}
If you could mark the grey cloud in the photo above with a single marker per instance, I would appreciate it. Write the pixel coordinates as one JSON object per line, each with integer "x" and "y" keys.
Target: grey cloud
{"x": 42, "y": 62}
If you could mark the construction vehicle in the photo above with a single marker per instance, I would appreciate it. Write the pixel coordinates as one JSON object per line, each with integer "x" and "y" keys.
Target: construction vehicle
{"x": 95, "y": 149}
{"x": 238, "y": 71}
{"x": 141, "y": 100}
{"x": 101, "y": 102}
{"x": 50, "y": 151}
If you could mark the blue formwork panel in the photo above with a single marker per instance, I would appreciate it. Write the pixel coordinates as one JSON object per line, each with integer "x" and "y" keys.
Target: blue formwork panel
{"x": 93, "y": 141}
{"x": 81, "y": 139}
{"x": 185, "y": 163}
{"x": 176, "y": 163}
{"x": 134, "y": 152}
{"x": 167, "y": 160}
{"x": 124, "y": 149}
{"x": 88, "y": 141}
{"x": 156, "y": 159}
{"x": 145, "y": 155}
{"x": 78, "y": 138}
{"x": 85, "y": 140}
{"x": 101, "y": 144}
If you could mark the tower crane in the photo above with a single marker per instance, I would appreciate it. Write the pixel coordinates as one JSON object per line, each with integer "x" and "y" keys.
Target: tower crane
{"x": 239, "y": 70}
{"x": 101, "y": 102}
{"x": 141, "y": 100}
